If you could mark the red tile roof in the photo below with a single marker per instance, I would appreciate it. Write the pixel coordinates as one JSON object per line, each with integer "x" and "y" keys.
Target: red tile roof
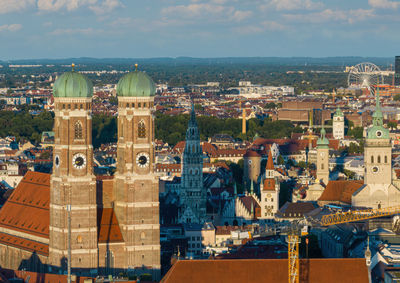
{"x": 27, "y": 209}
{"x": 270, "y": 162}
{"x": 344, "y": 270}
{"x": 251, "y": 153}
{"x": 109, "y": 231}
{"x": 25, "y": 244}
{"x": 340, "y": 191}
{"x": 269, "y": 185}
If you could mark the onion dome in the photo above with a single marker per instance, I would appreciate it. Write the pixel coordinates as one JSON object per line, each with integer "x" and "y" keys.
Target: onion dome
{"x": 323, "y": 141}
{"x": 136, "y": 84}
{"x": 339, "y": 112}
{"x": 73, "y": 85}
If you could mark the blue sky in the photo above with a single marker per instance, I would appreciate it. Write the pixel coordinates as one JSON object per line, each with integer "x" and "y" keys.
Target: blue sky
{"x": 198, "y": 28}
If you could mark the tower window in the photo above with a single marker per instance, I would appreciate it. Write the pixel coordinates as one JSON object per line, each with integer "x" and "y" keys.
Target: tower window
{"x": 78, "y": 130}
{"x": 141, "y": 129}
{"x": 386, "y": 160}
{"x": 144, "y": 104}
{"x": 372, "y": 159}
{"x": 379, "y": 159}
{"x": 139, "y": 105}
{"x": 322, "y": 166}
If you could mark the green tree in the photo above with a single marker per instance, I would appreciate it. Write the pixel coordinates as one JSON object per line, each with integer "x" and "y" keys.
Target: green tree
{"x": 281, "y": 161}
{"x": 392, "y": 125}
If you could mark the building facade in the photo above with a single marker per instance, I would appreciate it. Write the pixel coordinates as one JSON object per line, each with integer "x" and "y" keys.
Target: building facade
{"x": 338, "y": 124}
{"x": 378, "y": 190}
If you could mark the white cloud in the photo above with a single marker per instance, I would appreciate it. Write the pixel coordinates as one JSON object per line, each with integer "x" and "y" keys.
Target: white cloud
{"x": 11, "y": 28}
{"x": 56, "y": 5}
{"x": 239, "y": 16}
{"x": 8, "y": 6}
{"x": 106, "y": 6}
{"x": 213, "y": 11}
{"x": 262, "y": 27}
{"x": 194, "y": 10}
{"x": 384, "y": 4}
{"x": 294, "y": 5}
{"x": 329, "y": 15}
{"x": 85, "y": 31}
{"x": 101, "y": 7}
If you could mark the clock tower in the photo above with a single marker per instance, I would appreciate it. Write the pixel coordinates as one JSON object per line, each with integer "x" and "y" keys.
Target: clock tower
{"x": 73, "y": 210}
{"x": 378, "y": 151}
{"x": 323, "y": 158}
{"x": 136, "y": 185}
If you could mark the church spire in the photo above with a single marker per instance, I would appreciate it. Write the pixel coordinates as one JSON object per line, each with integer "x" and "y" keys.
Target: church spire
{"x": 377, "y": 117}
{"x": 270, "y": 161}
{"x": 192, "y": 121}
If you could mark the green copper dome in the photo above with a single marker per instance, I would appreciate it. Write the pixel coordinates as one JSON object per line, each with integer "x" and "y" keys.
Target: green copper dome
{"x": 339, "y": 112}
{"x": 323, "y": 141}
{"x": 136, "y": 84}
{"x": 73, "y": 84}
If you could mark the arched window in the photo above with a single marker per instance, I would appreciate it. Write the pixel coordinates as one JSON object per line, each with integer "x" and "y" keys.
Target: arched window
{"x": 372, "y": 159}
{"x": 142, "y": 130}
{"x": 379, "y": 159}
{"x": 78, "y": 130}
{"x": 386, "y": 160}
{"x": 322, "y": 166}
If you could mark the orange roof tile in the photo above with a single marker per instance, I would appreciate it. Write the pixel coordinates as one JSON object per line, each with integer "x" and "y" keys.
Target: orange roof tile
{"x": 340, "y": 191}
{"x": 24, "y": 244}
{"x": 27, "y": 209}
{"x": 270, "y": 162}
{"x": 344, "y": 270}
{"x": 109, "y": 231}
{"x": 269, "y": 185}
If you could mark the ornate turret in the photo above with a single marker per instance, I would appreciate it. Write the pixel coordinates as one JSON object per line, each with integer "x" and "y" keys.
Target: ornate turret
{"x": 323, "y": 141}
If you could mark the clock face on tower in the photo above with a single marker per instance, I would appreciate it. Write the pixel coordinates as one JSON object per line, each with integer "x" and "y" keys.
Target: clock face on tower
{"x": 142, "y": 160}
{"x": 79, "y": 161}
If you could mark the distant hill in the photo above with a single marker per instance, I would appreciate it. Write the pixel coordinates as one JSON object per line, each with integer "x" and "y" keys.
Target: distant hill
{"x": 286, "y": 61}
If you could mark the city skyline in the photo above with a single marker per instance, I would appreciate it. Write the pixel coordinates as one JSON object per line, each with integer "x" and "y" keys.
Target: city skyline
{"x": 197, "y": 28}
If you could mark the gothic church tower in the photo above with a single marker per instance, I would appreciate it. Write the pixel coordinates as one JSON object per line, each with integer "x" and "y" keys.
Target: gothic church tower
{"x": 73, "y": 185}
{"x": 269, "y": 190}
{"x": 192, "y": 192}
{"x": 136, "y": 185}
{"x": 323, "y": 158}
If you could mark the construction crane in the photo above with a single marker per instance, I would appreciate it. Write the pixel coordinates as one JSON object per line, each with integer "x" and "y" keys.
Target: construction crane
{"x": 299, "y": 229}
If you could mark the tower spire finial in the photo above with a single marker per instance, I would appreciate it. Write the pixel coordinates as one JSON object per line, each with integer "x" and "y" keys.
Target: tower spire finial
{"x": 136, "y": 66}
{"x": 73, "y": 67}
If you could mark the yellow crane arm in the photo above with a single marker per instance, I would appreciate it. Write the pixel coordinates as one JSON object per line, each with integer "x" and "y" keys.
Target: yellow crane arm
{"x": 357, "y": 215}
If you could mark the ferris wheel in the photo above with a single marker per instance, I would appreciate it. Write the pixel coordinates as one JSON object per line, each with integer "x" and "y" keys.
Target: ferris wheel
{"x": 365, "y": 75}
